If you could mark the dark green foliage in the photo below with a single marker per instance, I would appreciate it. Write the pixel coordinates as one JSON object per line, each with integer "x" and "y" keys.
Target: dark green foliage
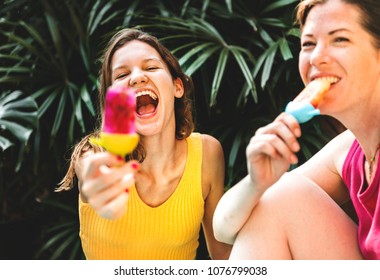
{"x": 242, "y": 55}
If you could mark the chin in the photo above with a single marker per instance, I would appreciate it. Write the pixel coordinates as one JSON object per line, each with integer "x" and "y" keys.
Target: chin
{"x": 148, "y": 129}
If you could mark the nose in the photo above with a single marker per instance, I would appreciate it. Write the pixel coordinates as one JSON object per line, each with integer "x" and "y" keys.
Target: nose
{"x": 320, "y": 55}
{"x": 137, "y": 77}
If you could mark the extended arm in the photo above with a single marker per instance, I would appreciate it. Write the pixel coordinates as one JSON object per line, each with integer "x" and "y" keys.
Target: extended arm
{"x": 269, "y": 155}
{"x": 103, "y": 181}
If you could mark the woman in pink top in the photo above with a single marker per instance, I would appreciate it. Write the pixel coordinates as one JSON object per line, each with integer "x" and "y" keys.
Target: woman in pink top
{"x": 275, "y": 214}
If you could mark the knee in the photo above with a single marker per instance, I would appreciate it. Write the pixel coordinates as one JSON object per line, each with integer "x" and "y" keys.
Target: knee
{"x": 291, "y": 190}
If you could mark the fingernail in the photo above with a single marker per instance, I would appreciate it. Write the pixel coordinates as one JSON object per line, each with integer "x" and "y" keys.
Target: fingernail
{"x": 297, "y": 132}
{"x": 293, "y": 159}
{"x": 135, "y": 165}
{"x": 296, "y": 146}
{"x": 120, "y": 158}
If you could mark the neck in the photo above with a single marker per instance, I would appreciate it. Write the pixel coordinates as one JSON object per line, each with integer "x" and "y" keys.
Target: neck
{"x": 161, "y": 149}
{"x": 371, "y": 162}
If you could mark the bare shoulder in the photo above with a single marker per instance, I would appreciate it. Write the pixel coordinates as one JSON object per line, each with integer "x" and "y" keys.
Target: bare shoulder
{"x": 324, "y": 168}
{"x": 336, "y": 150}
{"x": 210, "y": 140}
{"x": 212, "y": 166}
{"x": 343, "y": 140}
{"x": 212, "y": 148}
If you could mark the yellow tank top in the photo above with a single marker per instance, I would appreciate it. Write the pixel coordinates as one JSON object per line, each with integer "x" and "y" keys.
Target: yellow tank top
{"x": 169, "y": 231}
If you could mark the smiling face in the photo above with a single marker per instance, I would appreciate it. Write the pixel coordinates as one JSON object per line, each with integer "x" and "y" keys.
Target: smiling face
{"x": 138, "y": 65}
{"x": 335, "y": 44}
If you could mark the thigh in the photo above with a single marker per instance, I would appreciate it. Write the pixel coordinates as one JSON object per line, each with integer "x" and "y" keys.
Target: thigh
{"x": 295, "y": 219}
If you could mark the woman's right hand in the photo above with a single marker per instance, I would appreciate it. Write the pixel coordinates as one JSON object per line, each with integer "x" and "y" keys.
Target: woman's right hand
{"x": 272, "y": 150}
{"x": 104, "y": 182}
{"x": 269, "y": 154}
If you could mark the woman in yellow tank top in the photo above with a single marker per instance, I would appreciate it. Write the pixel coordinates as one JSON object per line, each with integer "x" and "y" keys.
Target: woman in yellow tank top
{"x": 153, "y": 205}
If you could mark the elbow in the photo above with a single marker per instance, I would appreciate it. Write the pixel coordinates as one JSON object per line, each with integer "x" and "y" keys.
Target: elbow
{"x": 222, "y": 232}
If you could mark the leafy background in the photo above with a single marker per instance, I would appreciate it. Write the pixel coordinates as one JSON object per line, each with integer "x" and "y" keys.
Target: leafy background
{"x": 242, "y": 55}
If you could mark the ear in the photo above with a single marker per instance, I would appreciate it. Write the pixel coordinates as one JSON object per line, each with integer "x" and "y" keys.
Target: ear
{"x": 179, "y": 88}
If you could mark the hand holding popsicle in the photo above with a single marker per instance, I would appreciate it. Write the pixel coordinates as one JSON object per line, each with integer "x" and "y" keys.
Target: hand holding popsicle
{"x": 273, "y": 147}
{"x": 118, "y": 135}
{"x": 304, "y": 106}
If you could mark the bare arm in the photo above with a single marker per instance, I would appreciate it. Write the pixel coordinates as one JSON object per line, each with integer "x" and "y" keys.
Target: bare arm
{"x": 269, "y": 155}
{"x": 213, "y": 189}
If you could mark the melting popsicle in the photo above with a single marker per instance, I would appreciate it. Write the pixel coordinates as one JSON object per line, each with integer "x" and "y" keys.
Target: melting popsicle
{"x": 305, "y": 106}
{"x": 118, "y": 135}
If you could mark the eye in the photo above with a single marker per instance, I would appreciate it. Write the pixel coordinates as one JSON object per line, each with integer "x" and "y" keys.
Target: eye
{"x": 308, "y": 44}
{"x": 341, "y": 39}
{"x": 121, "y": 76}
{"x": 151, "y": 68}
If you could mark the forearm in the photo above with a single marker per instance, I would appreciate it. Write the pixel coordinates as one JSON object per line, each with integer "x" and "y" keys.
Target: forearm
{"x": 233, "y": 210}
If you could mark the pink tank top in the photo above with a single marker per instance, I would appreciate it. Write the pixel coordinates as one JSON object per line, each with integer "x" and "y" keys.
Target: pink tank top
{"x": 366, "y": 200}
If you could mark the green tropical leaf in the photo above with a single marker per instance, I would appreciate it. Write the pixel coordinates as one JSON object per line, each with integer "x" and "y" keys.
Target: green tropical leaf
{"x": 97, "y": 16}
{"x": 18, "y": 120}
{"x": 285, "y": 49}
{"x": 194, "y": 51}
{"x": 36, "y": 36}
{"x": 18, "y": 115}
{"x": 277, "y": 5}
{"x": 200, "y": 60}
{"x": 245, "y": 69}
{"x": 48, "y": 100}
{"x": 229, "y": 5}
{"x": 5, "y": 143}
{"x": 15, "y": 69}
{"x": 59, "y": 114}
{"x": 86, "y": 98}
{"x": 236, "y": 145}
{"x": 270, "y": 56}
{"x": 219, "y": 71}
{"x": 130, "y": 13}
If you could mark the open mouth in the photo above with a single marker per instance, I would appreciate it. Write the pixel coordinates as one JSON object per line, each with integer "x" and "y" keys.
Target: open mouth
{"x": 146, "y": 103}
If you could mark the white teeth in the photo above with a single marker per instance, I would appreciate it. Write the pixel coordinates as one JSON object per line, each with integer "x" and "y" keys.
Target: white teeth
{"x": 331, "y": 80}
{"x": 147, "y": 92}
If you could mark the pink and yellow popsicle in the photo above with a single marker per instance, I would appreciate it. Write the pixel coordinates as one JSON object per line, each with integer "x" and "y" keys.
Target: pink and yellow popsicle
{"x": 118, "y": 135}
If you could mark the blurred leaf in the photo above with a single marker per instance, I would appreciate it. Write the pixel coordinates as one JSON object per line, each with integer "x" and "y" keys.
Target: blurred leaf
{"x": 5, "y": 143}
{"x": 18, "y": 120}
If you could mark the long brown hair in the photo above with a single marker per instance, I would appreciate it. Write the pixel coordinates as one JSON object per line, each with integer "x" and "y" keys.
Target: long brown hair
{"x": 183, "y": 106}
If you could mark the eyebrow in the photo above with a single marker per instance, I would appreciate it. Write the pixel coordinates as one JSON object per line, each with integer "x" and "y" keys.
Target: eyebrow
{"x": 144, "y": 61}
{"x": 153, "y": 59}
{"x": 331, "y": 32}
